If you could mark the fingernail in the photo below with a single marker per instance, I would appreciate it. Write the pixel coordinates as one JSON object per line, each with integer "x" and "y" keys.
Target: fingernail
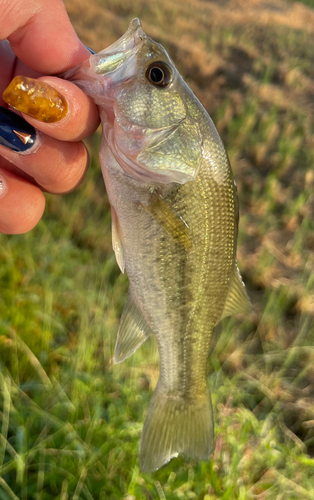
{"x": 91, "y": 50}
{"x": 3, "y": 185}
{"x": 15, "y": 132}
{"x": 36, "y": 99}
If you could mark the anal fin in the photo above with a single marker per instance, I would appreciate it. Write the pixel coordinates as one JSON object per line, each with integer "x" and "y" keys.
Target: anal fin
{"x": 133, "y": 331}
{"x": 237, "y": 300}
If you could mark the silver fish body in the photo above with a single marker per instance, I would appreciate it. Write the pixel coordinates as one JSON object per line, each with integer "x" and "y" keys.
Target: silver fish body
{"x": 175, "y": 223}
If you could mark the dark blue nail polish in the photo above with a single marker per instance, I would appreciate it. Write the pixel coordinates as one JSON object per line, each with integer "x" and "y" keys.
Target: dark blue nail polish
{"x": 15, "y": 132}
{"x": 91, "y": 50}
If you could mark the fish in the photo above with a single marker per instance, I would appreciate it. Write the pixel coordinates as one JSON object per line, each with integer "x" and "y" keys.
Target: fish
{"x": 175, "y": 215}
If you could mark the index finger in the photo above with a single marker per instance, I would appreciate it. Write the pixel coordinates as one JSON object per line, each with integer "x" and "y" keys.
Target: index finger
{"x": 41, "y": 35}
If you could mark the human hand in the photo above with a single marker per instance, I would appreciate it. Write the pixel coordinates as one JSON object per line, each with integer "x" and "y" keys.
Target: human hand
{"x": 38, "y": 39}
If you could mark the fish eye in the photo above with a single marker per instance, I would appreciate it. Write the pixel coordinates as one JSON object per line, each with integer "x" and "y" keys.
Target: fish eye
{"x": 159, "y": 74}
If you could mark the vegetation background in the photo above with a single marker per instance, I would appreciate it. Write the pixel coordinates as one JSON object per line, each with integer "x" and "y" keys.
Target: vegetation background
{"x": 70, "y": 421}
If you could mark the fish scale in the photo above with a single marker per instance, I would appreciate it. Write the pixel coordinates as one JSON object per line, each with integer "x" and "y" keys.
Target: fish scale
{"x": 174, "y": 228}
{"x": 207, "y": 314}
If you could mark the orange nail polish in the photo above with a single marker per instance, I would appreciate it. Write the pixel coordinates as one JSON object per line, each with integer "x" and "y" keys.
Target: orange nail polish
{"x": 36, "y": 99}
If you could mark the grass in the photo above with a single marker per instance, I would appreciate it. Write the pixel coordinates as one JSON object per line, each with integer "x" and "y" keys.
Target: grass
{"x": 310, "y": 3}
{"x": 70, "y": 421}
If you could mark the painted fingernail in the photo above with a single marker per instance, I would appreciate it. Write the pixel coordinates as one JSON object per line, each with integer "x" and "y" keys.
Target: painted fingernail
{"x": 3, "y": 185}
{"x": 15, "y": 132}
{"x": 36, "y": 99}
{"x": 91, "y": 50}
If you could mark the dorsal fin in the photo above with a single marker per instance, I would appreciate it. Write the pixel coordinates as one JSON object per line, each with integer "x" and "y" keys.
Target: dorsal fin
{"x": 132, "y": 333}
{"x": 237, "y": 300}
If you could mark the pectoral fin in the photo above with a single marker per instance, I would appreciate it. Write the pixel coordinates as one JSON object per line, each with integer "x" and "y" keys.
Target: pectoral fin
{"x": 116, "y": 240}
{"x": 237, "y": 300}
{"x": 132, "y": 333}
{"x": 169, "y": 220}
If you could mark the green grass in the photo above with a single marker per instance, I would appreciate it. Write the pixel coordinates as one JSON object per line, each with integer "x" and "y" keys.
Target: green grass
{"x": 310, "y": 3}
{"x": 70, "y": 421}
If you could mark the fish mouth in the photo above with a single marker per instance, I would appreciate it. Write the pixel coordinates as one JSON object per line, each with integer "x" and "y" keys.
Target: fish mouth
{"x": 107, "y": 66}
{"x": 112, "y": 58}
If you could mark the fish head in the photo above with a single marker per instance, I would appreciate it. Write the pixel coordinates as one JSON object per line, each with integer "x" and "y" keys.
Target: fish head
{"x": 145, "y": 109}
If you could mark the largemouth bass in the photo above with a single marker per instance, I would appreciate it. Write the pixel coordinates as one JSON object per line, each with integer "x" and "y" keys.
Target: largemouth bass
{"x": 174, "y": 231}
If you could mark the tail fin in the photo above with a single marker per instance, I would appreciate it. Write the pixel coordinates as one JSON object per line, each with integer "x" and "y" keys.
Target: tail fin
{"x": 175, "y": 425}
